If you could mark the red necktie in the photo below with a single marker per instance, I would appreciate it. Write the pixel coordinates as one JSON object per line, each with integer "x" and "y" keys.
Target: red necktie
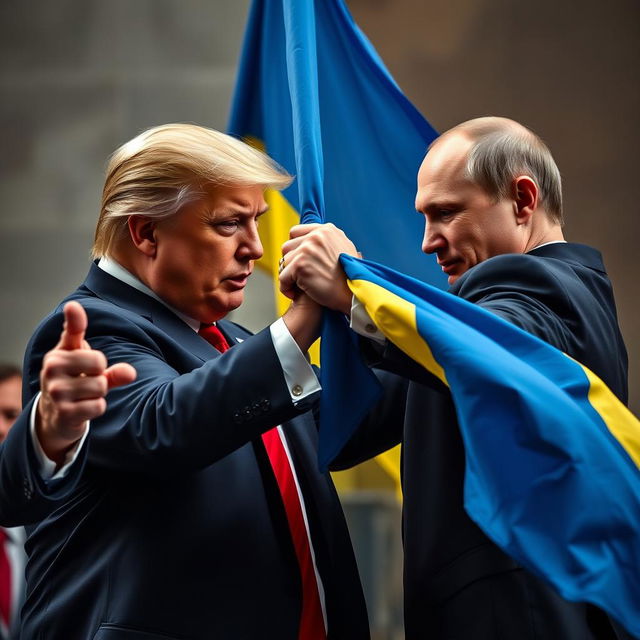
{"x": 5, "y": 580}
{"x": 311, "y": 618}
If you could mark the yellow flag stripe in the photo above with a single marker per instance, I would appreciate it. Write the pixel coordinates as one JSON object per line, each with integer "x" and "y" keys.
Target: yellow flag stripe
{"x": 622, "y": 424}
{"x": 396, "y": 318}
{"x": 390, "y": 462}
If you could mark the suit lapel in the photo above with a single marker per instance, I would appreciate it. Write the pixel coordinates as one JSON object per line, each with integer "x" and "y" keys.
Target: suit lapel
{"x": 106, "y": 287}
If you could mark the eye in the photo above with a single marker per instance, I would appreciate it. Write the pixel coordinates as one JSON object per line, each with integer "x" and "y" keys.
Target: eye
{"x": 226, "y": 226}
{"x": 446, "y": 214}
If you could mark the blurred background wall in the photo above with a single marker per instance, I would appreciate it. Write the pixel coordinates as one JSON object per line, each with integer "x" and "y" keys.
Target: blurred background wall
{"x": 80, "y": 77}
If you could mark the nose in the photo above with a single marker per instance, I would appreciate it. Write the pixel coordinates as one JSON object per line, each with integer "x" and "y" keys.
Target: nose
{"x": 433, "y": 238}
{"x": 251, "y": 246}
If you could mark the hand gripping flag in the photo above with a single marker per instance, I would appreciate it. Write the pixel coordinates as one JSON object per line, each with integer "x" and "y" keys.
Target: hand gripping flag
{"x": 568, "y": 510}
{"x": 315, "y": 95}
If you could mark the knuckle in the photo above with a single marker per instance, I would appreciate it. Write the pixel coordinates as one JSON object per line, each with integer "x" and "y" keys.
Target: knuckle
{"x": 102, "y": 385}
{"x": 99, "y": 359}
{"x": 55, "y": 391}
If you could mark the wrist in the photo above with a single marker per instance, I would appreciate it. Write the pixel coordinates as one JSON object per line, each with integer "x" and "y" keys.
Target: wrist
{"x": 303, "y": 321}
{"x": 55, "y": 446}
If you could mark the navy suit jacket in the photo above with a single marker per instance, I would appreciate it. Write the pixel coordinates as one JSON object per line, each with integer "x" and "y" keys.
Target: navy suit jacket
{"x": 560, "y": 293}
{"x": 171, "y": 524}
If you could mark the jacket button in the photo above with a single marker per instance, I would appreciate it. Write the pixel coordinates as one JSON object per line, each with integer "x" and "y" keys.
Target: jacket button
{"x": 296, "y": 390}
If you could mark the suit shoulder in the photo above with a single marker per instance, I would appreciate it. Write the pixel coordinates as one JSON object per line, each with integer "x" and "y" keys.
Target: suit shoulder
{"x": 512, "y": 271}
{"x": 104, "y": 318}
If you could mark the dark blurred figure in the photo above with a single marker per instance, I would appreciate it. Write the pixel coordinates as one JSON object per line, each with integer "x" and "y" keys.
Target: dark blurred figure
{"x": 12, "y": 557}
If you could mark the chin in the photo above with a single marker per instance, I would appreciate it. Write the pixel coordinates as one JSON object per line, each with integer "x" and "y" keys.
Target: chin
{"x": 221, "y": 308}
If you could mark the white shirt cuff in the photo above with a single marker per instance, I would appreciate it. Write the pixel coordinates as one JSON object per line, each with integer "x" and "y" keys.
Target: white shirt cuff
{"x": 298, "y": 374}
{"x": 47, "y": 467}
{"x": 362, "y": 323}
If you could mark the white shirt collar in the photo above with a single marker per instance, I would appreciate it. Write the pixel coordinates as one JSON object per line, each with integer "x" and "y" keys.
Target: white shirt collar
{"x": 544, "y": 244}
{"x": 15, "y": 534}
{"x": 110, "y": 266}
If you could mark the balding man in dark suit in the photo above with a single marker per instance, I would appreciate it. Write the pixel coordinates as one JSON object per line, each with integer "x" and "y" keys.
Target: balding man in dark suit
{"x": 490, "y": 194}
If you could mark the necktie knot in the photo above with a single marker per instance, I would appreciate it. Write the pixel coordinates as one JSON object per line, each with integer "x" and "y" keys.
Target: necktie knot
{"x": 214, "y": 337}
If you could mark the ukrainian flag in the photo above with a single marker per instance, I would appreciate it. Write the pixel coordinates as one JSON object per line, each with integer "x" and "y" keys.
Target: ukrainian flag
{"x": 314, "y": 94}
{"x": 569, "y": 511}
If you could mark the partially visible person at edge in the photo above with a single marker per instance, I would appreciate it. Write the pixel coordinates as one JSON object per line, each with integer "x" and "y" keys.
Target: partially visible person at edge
{"x": 183, "y": 510}
{"x": 490, "y": 194}
{"x": 12, "y": 556}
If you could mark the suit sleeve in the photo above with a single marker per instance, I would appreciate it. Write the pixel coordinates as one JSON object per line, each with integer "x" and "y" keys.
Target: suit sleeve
{"x": 25, "y": 497}
{"x": 518, "y": 288}
{"x": 169, "y": 421}
{"x": 522, "y": 290}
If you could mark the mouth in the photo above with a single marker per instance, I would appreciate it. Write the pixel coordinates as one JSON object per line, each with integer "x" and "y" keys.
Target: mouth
{"x": 447, "y": 265}
{"x": 239, "y": 280}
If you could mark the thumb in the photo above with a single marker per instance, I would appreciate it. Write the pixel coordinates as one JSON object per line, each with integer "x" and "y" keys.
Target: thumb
{"x": 75, "y": 324}
{"x": 120, "y": 374}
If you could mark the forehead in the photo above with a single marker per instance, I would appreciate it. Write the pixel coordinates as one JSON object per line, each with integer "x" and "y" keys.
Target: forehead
{"x": 442, "y": 172}
{"x": 219, "y": 202}
{"x": 11, "y": 390}
{"x": 243, "y": 198}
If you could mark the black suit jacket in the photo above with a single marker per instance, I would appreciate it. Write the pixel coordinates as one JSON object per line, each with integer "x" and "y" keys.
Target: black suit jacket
{"x": 171, "y": 524}
{"x": 560, "y": 293}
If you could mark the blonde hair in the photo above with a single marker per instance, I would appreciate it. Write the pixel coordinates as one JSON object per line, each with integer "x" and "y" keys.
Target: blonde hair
{"x": 166, "y": 167}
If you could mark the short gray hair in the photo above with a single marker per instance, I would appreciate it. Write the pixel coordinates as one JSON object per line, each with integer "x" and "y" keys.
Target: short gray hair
{"x": 169, "y": 166}
{"x": 504, "y": 149}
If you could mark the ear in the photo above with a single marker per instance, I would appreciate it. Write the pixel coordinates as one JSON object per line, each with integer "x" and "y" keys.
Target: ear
{"x": 142, "y": 230}
{"x": 525, "y": 198}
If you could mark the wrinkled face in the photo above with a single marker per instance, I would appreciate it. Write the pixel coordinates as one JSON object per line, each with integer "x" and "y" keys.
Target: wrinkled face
{"x": 10, "y": 404}
{"x": 463, "y": 224}
{"x": 205, "y": 253}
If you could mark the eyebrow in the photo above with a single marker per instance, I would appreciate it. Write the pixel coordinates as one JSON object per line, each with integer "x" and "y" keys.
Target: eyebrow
{"x": 239, "y": 211}
{"x": 440, "y": 204}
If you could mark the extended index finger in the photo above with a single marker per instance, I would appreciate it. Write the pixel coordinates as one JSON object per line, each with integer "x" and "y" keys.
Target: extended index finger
{"x": 75, "y": 325}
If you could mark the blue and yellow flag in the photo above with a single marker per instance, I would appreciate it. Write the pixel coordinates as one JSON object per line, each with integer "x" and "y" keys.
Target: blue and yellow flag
{"x": 314, "y": 94}
{"x": 569, "y": 511}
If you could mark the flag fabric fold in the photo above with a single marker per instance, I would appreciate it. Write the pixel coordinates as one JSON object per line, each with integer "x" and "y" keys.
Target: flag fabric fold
{"x": 313, "y": 92}
{"x": 559, "y": 489}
